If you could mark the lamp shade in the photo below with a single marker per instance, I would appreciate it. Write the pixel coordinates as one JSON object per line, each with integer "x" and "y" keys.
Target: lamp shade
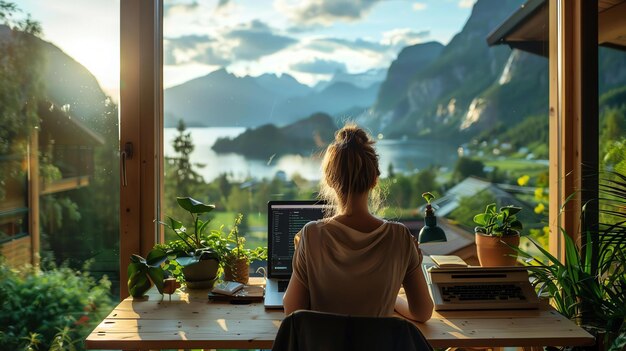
{"x": 431, "y": 233}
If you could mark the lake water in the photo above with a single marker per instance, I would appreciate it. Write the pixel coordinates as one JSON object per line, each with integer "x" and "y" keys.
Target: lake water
{"x": 405, "y": 155}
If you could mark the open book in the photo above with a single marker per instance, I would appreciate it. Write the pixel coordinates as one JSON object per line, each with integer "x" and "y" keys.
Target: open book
{"x": 448, "y": 261}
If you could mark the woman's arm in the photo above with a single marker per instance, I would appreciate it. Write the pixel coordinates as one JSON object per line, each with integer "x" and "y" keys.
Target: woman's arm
{"x": 418, "y": 304}
{"x": 296, "y": 297}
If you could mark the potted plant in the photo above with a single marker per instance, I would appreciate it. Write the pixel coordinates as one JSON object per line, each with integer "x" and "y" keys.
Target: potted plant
{"x": 430, "y": 232}
{"x": 235, "y": 258}
{"x": 145, "y": 272}
{"x": 589, "y": 285}
{"x": 497, "y": 234}
{"x": 192, "y": 251}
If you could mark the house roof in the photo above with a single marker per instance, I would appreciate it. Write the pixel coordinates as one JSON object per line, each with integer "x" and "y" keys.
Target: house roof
{"x": 65, "y": 128}
{"x": 457, "y": 239}
{"x": 527, "y": 28}
{"x": 469, "y": 187}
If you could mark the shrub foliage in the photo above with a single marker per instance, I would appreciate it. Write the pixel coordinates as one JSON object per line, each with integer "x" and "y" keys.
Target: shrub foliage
{"x": 42, "y": 308}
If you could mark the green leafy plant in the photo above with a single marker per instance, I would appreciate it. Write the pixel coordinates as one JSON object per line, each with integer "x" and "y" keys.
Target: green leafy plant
{"x": 498, "y": 223}
{"x": 589, "y": 286}
{"x": 428, "y": 197}
{"x": 191, "y": 247}
{"x": 143, "y": 272}
{"x": 232, "y": 245}
{"x": 571, "y": 285}
{"x": 38, "y": 304}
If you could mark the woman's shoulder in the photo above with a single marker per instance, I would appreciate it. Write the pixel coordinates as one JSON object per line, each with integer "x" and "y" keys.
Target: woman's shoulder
{"x": 397, "y": 226}
{"x": 313, "y": 227}
{"x": 398, "y": 229}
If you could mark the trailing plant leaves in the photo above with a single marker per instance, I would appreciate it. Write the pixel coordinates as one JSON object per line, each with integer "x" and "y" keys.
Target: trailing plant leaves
{"x": 138, "y": 283}
{"x": 481, "y": 219}
{"x": 156, "y": 257}
{"x": 516, "y": 225}
{"x": 137, "y": 259}
{"x": 156, "y": 274}
{"x": 510, "y": 210}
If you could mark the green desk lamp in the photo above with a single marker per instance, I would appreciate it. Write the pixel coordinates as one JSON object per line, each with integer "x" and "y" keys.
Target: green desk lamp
{"x": 430, "y": 233}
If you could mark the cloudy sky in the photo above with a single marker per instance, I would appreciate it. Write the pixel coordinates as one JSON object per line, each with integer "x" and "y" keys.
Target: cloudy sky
{"x": 309, "y": 39}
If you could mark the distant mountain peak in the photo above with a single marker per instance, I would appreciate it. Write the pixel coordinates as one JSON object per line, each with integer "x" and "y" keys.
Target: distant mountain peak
{"x": 362, "y": 80}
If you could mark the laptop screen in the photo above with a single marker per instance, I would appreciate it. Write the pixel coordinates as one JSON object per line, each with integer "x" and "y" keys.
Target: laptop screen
{"x": 285, "y": 219}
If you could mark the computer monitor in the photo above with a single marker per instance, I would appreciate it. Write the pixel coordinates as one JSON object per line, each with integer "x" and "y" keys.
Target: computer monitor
{"x": 285, "y": 219}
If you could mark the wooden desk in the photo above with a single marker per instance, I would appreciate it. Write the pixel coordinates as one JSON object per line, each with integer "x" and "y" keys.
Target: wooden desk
{"x": 191, "y": 321}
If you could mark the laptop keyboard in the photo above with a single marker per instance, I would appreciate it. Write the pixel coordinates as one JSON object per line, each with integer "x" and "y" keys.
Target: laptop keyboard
{"x": 282, "y": 285}
{"x": 482, "y": 292}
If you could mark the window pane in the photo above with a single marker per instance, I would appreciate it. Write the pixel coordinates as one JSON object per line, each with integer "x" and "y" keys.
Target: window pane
{"x": 59, "y": 174}
{"x": 612, "y": 90}
{"x": 612, "y": 143}
{"x": 58, "y": 155}
{"x": 261, "y": 89}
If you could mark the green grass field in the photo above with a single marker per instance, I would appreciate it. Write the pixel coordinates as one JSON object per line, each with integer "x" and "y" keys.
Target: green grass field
{"x": 254, "y": 230}
{"x": 517, "y": 167}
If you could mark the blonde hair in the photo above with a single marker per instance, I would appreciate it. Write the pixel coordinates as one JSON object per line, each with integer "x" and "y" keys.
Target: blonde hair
{"x": 350, "y": 166}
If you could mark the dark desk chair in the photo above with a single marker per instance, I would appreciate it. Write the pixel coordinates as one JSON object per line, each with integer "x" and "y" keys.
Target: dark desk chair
{"x": 309, "y": 330}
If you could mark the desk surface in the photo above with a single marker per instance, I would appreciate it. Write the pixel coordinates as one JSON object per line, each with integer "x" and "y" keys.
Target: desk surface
{"x": 189, "y": 320}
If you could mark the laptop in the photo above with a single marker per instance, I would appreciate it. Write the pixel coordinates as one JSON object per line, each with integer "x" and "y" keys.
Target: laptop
{"x": 482, "y": 288}
{"x": 285, "y": 219}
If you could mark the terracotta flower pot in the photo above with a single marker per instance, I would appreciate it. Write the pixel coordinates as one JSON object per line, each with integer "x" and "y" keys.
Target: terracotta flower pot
{"x": 237, "y": 270}
{"x": 493, "y": 251}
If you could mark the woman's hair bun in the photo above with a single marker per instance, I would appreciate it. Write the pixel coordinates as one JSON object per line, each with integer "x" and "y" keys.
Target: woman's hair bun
{"x": 352, "y": 134}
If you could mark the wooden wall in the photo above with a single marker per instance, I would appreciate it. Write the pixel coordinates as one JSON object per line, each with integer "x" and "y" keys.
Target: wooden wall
{"x": 17, "y": 252}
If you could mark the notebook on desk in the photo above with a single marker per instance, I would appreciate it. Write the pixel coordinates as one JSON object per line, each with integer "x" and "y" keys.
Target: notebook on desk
{"x": 482, "y": 288}
{"x": 285, "y": 219}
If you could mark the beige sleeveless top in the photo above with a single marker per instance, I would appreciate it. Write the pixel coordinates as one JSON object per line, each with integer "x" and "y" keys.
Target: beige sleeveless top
{"x": 351, "y": 272}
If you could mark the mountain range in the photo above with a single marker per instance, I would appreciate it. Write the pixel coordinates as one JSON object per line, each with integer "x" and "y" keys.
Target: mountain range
{"x": 306, "y": 137}
{"x": 454, "y": 91}
{"x": 223, "y": 99}
{"x": 450, "y": 92}
{"x": 469, "y": 88}
{"x": 69, "y": 84}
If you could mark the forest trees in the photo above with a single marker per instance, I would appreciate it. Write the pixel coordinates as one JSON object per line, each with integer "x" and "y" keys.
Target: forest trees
{"x": 181, "y": 177}
{"x": 20, "y": 87}
{"x": 78, "y": 223}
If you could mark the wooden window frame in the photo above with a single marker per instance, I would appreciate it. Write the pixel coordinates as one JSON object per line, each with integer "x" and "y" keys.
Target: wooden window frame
{"x": 141, "y": 127}
{"x": 573, "y": 117}
{"x": 574, "y": 127}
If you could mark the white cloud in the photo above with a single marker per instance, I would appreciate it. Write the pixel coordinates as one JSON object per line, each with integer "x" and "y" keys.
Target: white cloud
{"x": 419, "y": 6}
{"x": 401, "y": 37}
{"x": 171, "y": 9}
{"x": 318, "y": 66}
{"x": 466, "y": 4}
{"x": 246, "y": 41}
{"x": 225, "y": 8}
{"x": 324, "y": 12}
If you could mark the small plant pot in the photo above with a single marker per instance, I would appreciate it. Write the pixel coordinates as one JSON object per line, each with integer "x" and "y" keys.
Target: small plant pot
{"x": 201, "y": 275}
{"x": 493, "y": 251}
{"x": 237, "y": 270}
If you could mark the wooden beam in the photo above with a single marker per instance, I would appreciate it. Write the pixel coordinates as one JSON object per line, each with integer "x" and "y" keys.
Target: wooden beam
{"x": 573, "y": 116}
{"x": 63, "y": 184}
{"x": 141, "y": 126}
{"x": 611, "y": 24}
{"x": 33, "y": 198}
